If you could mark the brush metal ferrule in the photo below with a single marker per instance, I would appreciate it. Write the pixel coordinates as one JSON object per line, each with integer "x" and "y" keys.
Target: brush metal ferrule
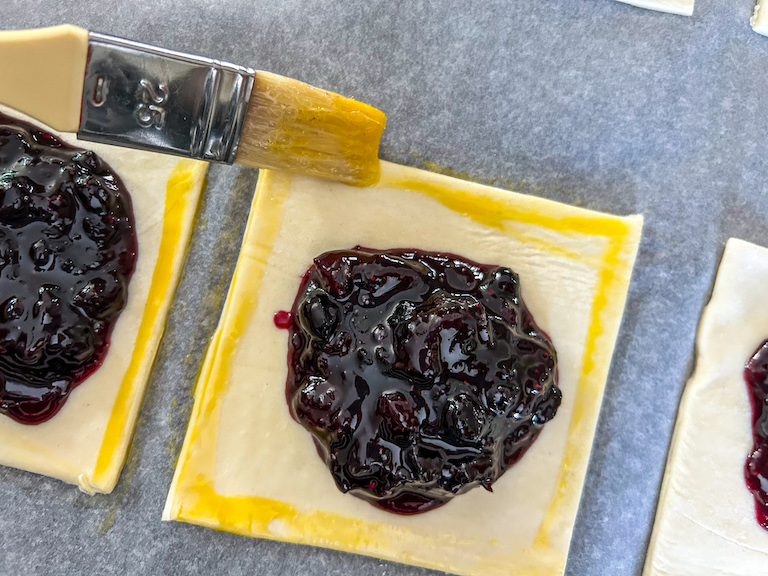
{"x": 146, "y": 97}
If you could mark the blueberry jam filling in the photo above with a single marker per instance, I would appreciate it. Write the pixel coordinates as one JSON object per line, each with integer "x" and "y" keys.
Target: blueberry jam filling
{"x": 756, "y": 467}
{"x": 419, "y": 375}
{"x": 67, "y": 251}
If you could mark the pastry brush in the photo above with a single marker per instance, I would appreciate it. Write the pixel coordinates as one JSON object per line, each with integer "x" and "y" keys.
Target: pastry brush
{"x": 126, "y": 93}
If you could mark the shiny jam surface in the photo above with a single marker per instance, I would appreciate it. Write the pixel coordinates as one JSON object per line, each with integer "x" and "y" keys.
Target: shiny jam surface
{"x": 67, "y": 251}
{"x": 282, "y": 319}
{"x": 756, "y": 467}
{"x": 419, "y": 375}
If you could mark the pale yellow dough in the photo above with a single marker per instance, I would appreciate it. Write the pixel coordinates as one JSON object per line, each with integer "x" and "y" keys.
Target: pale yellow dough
{"x": 705, "y": 522}
{"x": 86, "y": 442}
{"x": 759, "y": 20}
{"x": 682, "y": 7}
{"x": 247, "y": 467}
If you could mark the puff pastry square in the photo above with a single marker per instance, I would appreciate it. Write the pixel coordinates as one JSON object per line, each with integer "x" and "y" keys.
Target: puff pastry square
{"x": 759, "y": 19}
{"x": 86, "y": 442}
{"x": 705, "y": 521}
{"x": 682, "y": 7}
{"x": 248, "y": 468}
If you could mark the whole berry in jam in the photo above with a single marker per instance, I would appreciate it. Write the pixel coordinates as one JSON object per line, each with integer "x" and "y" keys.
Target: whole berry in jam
{"x": 67, "y": 251}
{"x": 419, "y": 375}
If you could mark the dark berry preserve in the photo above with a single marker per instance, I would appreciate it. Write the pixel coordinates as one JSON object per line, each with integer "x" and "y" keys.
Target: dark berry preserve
{"x": 419, "y": 375}
{"x": 756, "y": 467}
{"x": 67, "y": 252}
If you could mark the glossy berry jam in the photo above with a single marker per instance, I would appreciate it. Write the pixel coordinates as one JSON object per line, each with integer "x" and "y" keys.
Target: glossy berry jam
{"x": 67, "y": 252}
{"x": 756, "y": 467}
{"x": 282, "y": 319}
{"x": 419, "y": 375}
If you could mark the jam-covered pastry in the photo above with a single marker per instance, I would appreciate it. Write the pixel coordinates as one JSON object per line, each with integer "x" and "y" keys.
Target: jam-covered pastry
{"x": 67, "y": 251}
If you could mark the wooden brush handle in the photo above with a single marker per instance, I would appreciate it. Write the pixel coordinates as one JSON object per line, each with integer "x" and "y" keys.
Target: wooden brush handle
{"x": 41, "y": 73}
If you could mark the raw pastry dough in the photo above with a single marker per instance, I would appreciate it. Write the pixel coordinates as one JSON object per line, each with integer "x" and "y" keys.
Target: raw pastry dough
{"x": 705, "y": 522}
{"x": 247, "y": 467}
{"x": 759, "y": 20}
{"x": 683, "y": 7}
{"x": 86, "y": 442}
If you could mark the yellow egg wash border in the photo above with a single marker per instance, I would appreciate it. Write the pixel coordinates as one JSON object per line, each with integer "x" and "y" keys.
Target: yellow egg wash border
{"x": 117, "y": 435}
{"x": 192, "y": 496}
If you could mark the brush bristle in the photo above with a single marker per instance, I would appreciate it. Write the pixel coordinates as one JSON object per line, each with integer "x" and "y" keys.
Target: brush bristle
{"x": 296, "y": 127}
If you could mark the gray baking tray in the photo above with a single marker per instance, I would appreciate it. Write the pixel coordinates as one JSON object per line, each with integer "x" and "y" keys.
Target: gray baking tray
{"x": 590, "y": 102}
